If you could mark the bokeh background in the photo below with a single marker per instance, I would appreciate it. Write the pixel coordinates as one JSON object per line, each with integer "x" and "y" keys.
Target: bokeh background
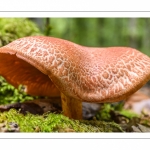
{"x": 99, "y": 32}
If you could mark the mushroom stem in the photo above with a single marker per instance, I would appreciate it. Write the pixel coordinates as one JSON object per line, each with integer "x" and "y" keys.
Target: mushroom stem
{"x": 71, "y": 108}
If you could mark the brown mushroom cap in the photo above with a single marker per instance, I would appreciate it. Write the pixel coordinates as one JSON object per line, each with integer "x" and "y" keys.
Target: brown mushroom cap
{"x": 87, "y": 74}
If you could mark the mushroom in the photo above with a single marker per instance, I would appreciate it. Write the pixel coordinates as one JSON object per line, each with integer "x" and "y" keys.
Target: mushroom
{"x": 54, "y": 67}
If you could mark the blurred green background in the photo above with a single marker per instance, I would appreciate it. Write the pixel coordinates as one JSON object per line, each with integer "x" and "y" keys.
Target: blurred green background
{"x": 99, "y": 32}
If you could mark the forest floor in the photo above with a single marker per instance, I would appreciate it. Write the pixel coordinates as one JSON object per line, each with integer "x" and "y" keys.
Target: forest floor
{"x": 45, "y": 115}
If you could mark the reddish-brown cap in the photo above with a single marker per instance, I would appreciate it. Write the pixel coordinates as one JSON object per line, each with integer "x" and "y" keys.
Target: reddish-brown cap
{"x": 88, "y": 74}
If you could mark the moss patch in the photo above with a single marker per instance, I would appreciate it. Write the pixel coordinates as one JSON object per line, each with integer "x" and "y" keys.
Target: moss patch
{"x": 14, "y": 28}
{"x": 51, "y": 122}
{"x": 10, "y": 94}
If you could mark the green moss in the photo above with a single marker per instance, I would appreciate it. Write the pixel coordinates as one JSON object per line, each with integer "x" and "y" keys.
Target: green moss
{"x": 9, "y": 94}
{"x": 117, "y": 109}
{"x": 14, "y": 28}
{"x": 104, "y": 113}
{"x": 55, "y": 123}
{"x": 129, "y": 114}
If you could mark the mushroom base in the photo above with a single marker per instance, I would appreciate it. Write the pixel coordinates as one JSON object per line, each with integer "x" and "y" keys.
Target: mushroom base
{"x": 72, "y": 108}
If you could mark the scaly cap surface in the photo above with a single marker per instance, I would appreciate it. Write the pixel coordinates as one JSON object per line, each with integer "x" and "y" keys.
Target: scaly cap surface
{"x": 84, "y": 73}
